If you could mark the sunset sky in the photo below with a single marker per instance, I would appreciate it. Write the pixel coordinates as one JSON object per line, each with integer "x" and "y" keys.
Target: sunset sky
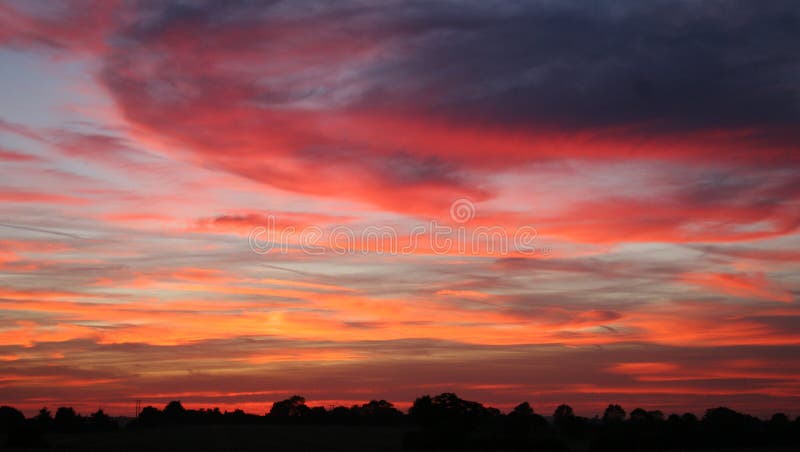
{"x": 653, "y": 146}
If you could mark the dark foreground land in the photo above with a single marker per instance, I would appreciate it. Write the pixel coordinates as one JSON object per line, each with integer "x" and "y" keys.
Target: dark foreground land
{"x": 443, "y": 422}
{"x": 263, "y": 438}
{"x": 234, "y": 438}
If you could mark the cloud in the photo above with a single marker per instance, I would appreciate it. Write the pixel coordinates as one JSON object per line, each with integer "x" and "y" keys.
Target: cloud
{"x": 23, "y": 196}
{"x": 363, "y": 108}
{"x": 9, "y": 156}
{"x": 741, "y": 284}
{"x": 517, "y": 78}
{"x": 659, "y": 377}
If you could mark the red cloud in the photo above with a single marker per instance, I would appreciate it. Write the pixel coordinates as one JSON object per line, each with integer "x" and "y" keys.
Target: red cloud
{"x": 741, "y": 285}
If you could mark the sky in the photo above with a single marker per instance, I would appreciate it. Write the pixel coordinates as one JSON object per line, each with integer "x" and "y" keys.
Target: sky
{"x": 228, "y": 203}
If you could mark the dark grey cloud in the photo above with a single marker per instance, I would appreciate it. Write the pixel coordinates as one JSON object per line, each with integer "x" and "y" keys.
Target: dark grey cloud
{"x": 670, "y": 65}
{"x": 663, "y": 65}
{"x": 674, "y": 65}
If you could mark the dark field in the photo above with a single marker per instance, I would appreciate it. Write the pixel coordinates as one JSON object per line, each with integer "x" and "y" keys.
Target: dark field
{"x": 235, "y": 438}
{"x": 255, "y": 438}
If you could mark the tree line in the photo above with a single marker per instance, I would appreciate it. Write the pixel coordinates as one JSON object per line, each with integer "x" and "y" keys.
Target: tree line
{"x": 446, "y": 421}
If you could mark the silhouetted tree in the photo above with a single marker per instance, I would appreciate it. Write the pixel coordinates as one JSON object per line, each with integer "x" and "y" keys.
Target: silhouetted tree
{"x": 689, "y": 419}
{"x": 67, "y": 420}
{"x": 639, "y": 415}
{"x": 101, "y": 422}
{"x": 562, "y": 414}
{"x": 568, "y": 423}
{"x": 725, "y": 427}
{"x": 377, "y": 412}
{"x": 10, "y": 419}
{"x": 522, "y": 423}
{"x": 779, "y": 429}
{"x": 150, "y": 417}
{"x": 293, "y": 407}
{"x": 613, "y": 434}
{"x": 448, "y": 421}
{"x": 44, "y": 419}
{"x": 19, "y": 432}
{"x": 613, "y": 413}
{"x": 214, "y": 416}
{"x": 341, "y": 415}
{"x": 524, "y": 409}
{"x": 237, "y": 417}
{"x": 422, "y": 411}
{"x": 317, "y": 414}
{"x": 174, "y": 412}
{"x": 447, "y": 410}
{"x": 779, "y": 419}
